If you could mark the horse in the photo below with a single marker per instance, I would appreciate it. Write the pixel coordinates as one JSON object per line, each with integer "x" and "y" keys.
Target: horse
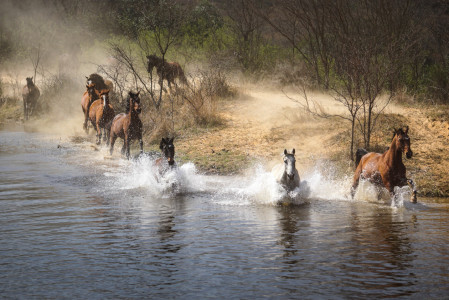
{"x": 30, "y": 94}
{"x": 387, "y": 169}
{"x": 89, "y": 96}
{"x": 286, "y": 174}
{"x": 128, "y": 126}
{"x": 100, "y": 83}
{"x": 168, "y": 151}
{"x": 101, "y": 114}
{"x": 166, "y": 70}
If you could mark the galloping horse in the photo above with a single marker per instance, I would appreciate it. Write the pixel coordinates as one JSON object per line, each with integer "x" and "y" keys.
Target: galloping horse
{"x": 128, "y": 126}
{"x": 166, "y": 70}
{"x": 89, "y": 96}
{"x": 286, "y": 174}
{"x": 100, "y": 83}
{"x": 386, "y": 169}
{"x": 30, "y": 94}
{"x": 101, "y": 114}
{"x": 168, "y": 151}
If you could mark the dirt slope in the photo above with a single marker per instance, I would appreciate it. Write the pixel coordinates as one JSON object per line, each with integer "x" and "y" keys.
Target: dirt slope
{"x": 260, "y": 124}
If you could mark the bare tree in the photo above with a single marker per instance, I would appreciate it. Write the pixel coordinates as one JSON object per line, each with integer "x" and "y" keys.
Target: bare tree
{"x": 371, "y": 39}
{"x": 246, "y": 25}
{"x": 305, "y": 25}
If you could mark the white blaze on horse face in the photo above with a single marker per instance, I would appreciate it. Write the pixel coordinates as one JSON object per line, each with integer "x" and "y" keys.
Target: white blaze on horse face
{"x": 289, "y": 165}
{"x": 104, "y": 100}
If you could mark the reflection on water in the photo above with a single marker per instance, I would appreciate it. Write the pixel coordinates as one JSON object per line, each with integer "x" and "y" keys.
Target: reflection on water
{"x": 74, "y": 225}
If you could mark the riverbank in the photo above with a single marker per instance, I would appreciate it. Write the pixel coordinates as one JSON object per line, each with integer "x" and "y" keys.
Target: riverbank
{"x": 259, "y": 124}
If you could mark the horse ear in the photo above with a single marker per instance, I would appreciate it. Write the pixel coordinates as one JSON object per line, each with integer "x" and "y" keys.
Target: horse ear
{"x": 170, "y": 141}
{"x": 138, "y": 93}
{"x": 293, "y": 151}
{"x": 148, "y": 56}
{"x": 406, "y": 130}
{"x": 285, "y": 151}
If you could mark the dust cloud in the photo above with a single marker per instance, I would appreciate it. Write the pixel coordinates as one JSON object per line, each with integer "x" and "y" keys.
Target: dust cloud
{"x": 58, "y": 51}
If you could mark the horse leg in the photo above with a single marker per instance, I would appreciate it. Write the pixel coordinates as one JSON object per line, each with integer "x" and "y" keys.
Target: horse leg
{"x": 141, "y": 145}
{"x": 355, "y": 182}
{"x": 412, "y": 185}
{"x": 113, "y": 138}
{"x": 25, "y": 112}
{"x": 105, "y": 136}
{"x": 127, "y": 140}
{"x": 86, "y": 119}
{"x": 98, "y": 133}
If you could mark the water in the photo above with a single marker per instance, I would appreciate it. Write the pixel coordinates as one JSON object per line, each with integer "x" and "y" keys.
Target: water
{"x": 76, "y": 225}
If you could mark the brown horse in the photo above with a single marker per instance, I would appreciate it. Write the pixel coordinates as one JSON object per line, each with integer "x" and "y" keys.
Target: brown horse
{"x": 100, "y": 83}
{"x": 101, "y": 114}
{"x": 168, "y": 152}
{"x": 166, "y": 70}
{"x": 386, "y": 169}
{"x": 89, "y": 96}
{"x": 128, "y": 126}
{"x": 30, "y": 94}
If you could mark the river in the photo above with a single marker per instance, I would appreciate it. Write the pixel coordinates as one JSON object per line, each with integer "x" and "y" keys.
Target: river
{"x": 76, "y": 224}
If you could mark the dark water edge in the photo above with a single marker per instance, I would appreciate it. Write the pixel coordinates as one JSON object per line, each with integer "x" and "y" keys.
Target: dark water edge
{"x": 71, "y": 226}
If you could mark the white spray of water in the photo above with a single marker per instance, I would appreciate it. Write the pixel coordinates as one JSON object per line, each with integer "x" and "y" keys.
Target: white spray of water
{"x": 258, "y": 187}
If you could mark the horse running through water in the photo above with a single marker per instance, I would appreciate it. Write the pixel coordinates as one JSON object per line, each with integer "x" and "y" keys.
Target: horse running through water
{"x": 286, "y": 174}
{"x": 386, "y": 170}
{"x": 166, "y": 70}
{"x": 101, "y": 114}
{"x": 30, "y": 94}
{"x": 128, "y": 126}
{"x": 89, "y": 96}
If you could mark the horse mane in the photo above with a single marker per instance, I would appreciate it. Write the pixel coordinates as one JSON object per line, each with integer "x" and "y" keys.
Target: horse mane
{"x": 98, "y": 81}
{"x": 358, "y": 155}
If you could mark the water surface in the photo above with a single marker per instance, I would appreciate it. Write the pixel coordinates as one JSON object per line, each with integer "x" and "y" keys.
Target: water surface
{"x": 76, "y": 225}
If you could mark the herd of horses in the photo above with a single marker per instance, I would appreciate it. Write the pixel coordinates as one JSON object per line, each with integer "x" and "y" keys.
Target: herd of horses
{"x": 383, "y": 170}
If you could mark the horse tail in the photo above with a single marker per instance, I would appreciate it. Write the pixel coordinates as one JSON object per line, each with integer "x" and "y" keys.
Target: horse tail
{"x": 358, "y": 155}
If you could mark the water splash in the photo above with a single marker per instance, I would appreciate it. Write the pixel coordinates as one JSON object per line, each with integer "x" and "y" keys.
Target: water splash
{"x": 143, "y": 174}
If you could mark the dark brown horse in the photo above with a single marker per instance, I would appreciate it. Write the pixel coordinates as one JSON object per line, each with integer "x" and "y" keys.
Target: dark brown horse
{"x": 101, "y": 114}
{"x": 166, "y": 70}
{"x": 100, "y": 83}
{"x": 30, "y": 94}
{"x": 89, "y": 96}
{"x": 128, "y": 126}
{"x": 386, "y": 169}
{"x": 168, "y": 152}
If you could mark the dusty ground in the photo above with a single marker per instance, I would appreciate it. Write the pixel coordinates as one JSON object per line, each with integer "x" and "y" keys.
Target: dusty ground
{"x": 260, "y": 124}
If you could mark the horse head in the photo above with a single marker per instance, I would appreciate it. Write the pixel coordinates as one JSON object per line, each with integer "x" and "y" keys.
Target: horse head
{"x": 402, "y": 141}
{"x": 153, "y": 60}
{"x": 133, "y": 103}
{"x": 91, "y": 89}
{"x": 104, "y": 95}
{"x": 289, "y": 161}
{"x": 29, "y": 81}
{"x": 168, "y": 149}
